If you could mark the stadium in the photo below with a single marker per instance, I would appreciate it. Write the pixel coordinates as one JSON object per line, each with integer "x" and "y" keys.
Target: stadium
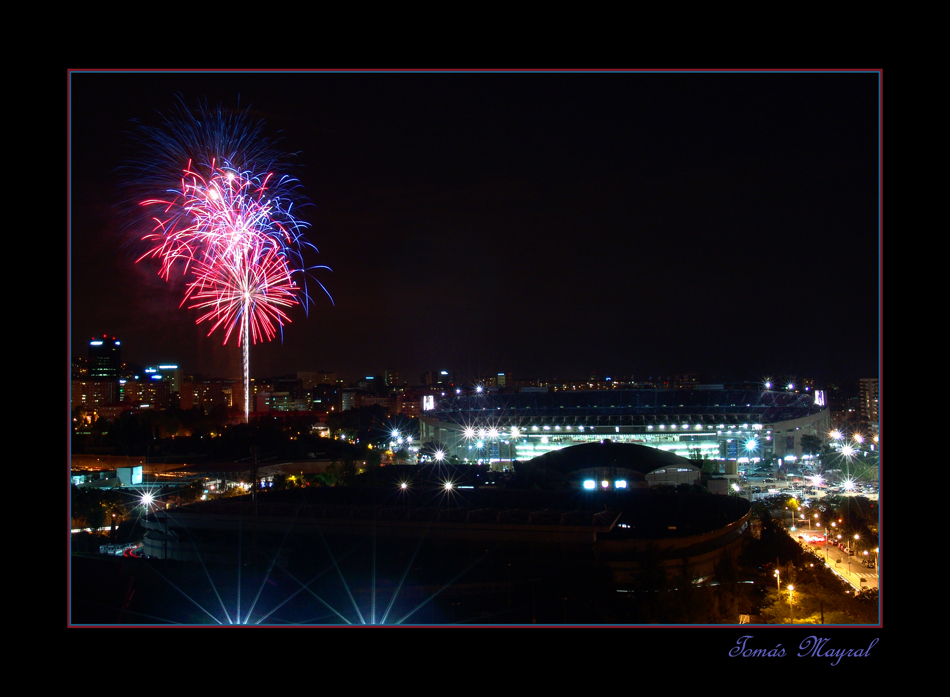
{"x": 743, "y": 425}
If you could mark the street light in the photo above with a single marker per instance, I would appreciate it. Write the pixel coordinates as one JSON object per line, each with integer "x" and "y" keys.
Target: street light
{"x": 791, "y": 610}
{"x": 829, "y": 536}
{"x": 751, "y": 446}
{"x": 515, "y": 433}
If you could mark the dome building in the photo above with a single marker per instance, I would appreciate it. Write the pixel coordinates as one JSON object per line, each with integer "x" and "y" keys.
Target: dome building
{"x": 610, "y": 465}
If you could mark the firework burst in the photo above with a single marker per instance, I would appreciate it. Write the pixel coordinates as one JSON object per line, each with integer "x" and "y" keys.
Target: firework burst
{"x": 247, "y": 288}
{"x": 223, "y": 218}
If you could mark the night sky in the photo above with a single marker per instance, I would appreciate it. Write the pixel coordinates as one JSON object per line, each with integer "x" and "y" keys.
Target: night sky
{"x": 546, "y": 224}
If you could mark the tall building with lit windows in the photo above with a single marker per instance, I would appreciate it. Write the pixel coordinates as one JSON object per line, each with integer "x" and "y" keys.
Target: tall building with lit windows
{"x": 869, "y": 398}
{"x": 153, "y": 388}
{"x": 105, "y": 358}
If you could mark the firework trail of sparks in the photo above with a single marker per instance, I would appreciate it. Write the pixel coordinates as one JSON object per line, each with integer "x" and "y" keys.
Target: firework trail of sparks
{"x": 250, "y": 280}
{"x": 227, "y": 225}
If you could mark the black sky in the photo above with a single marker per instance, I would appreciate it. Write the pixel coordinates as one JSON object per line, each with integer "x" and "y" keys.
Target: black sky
{"x": 547, "y": 224}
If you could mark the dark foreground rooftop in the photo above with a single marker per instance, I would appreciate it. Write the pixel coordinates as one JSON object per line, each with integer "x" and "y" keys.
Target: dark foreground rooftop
{"x": 419, "y": 555}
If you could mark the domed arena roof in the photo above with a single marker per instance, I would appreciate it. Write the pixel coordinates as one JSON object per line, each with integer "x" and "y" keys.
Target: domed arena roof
{"x": 629, "y": 456}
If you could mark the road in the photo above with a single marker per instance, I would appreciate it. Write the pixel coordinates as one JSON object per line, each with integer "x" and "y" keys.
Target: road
{"x": 855, "y": 574}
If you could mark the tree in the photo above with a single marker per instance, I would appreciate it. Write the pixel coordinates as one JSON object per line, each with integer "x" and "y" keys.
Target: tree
{"x": 374, "y": 458}
{"x": 727, "y": 592}
{"x": 811, "y": 445}
{"x": 192, "y": 492}
{"x": 96, "y": 516}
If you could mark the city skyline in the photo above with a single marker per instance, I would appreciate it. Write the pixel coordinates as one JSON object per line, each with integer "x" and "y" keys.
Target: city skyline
{"x": 433, "y": 379}
{"x": 548, "y": 225}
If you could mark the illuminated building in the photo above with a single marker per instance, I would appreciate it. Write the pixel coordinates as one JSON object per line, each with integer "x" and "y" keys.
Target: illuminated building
{"x": 105, "y": 358}
{"x": 153, "y": 388}
{"x": 706, "y": 422}
{"x": 93, "y": 395}
{"x": 206, "y": 394}
{"x": 869, "y": 393}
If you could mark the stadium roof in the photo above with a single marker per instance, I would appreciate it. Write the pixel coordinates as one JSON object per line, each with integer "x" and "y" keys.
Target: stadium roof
{"x": 642, "y": 407}
{"x": 629, "y": 456}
